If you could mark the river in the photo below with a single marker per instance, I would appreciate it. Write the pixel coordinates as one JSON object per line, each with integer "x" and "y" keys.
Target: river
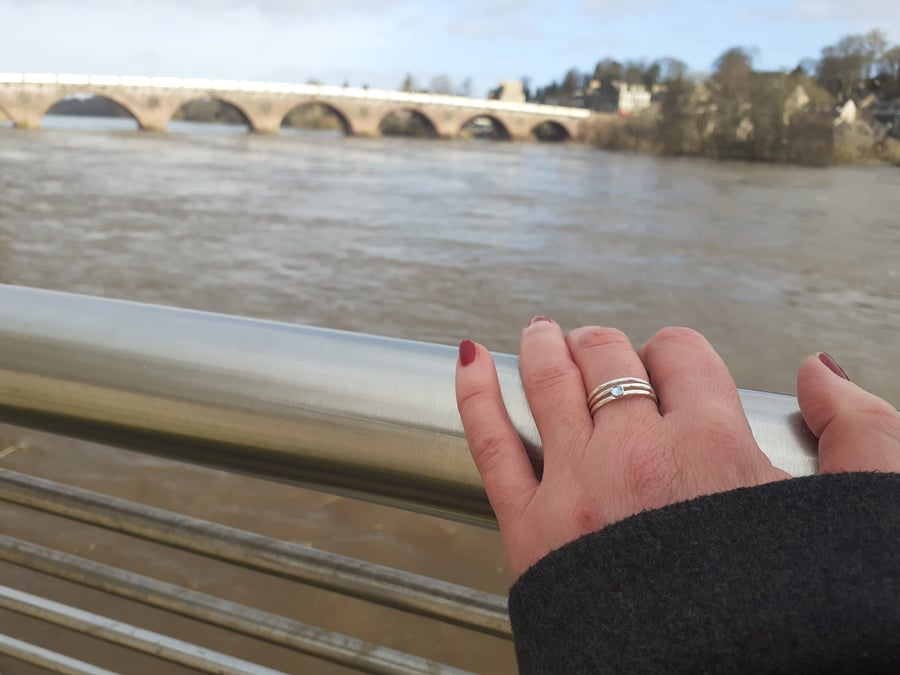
{"x": 429, "y": 240}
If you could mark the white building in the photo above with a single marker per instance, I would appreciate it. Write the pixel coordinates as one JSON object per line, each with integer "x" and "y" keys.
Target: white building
{"x": 632, "y": 97}
{"x": 511, "y": 90}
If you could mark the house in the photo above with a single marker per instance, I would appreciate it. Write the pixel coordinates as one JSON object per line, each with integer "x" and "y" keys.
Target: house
{"x": 632, "y": 97}
{"x": 512, "y": 91}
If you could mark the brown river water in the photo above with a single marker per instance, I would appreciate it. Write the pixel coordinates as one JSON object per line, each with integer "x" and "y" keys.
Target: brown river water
{"x": 433, "y": 241}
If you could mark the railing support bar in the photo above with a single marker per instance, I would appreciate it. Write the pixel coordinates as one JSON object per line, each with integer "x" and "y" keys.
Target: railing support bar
{"x": 44, "y": 658}
{"x": 326, "y": 645}
{"x": 383, "y": 585}
{"x": 138, "y": 639}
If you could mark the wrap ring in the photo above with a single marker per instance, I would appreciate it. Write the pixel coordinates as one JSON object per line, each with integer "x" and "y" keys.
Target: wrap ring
{"x": 619, "y": 388}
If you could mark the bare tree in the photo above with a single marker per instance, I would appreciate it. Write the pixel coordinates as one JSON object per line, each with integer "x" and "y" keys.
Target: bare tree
{"x": 672, "y": 69}
{"x": 441, "y": 84}
{"x": 465, "y": 89}
{"x": 409, "y": 84}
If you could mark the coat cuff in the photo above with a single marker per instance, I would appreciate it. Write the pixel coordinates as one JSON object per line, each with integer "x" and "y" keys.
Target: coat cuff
{"x": 792, "y": 576}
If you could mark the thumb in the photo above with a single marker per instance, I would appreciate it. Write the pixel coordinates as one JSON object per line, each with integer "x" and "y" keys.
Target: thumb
{"x": 857, "y": 431}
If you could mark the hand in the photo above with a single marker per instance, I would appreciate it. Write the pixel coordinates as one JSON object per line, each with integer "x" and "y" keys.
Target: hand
{"x": 635, "y": 455}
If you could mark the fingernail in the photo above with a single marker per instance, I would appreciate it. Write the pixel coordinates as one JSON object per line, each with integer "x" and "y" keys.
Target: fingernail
{"x": 537, "y": 319}
{"x": 467, "y": 352}
{"x": 833, "y": 365}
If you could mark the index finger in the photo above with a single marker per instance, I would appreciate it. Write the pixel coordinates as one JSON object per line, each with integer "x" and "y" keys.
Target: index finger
{"x": 498, "y": 451}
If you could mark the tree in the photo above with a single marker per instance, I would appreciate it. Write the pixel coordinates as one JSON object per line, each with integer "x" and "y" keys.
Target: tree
{"x": 732, "y": 71}
{"x": 633, "y": 72}
{"x": 677, "y": 131}
{"x": 465, "y": 89}
{"x": 846, "y": 66}
{"x": 889, "y": 72}
{"x": 526, "y": 87}
{"x": 876, "y": 44}
{"x": 570, "y": 84}
{"x": 608, "y": 71}
{"x": 890, "y": 61}
{"x": 652, "y": 75}
{"x": 671, "y": 69}
{"x": 409, "y": 84}
{"x": 442, "y": 85}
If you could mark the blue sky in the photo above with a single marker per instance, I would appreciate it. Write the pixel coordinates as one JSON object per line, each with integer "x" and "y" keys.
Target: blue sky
{"x": 376, "y": 42}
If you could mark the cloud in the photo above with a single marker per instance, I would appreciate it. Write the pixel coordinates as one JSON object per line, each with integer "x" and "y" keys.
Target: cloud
{"x": 884, "y": 14}
{"x": 276, "y": 9}
{"x": 617, "y": 8}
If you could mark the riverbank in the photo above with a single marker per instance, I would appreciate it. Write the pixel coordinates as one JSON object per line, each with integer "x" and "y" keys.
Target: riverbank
{"x": 811, "y": 140}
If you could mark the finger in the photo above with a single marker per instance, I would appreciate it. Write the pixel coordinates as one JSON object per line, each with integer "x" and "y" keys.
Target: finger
{"x": 554, "y": 389}
{"x": 687, "y": 372}
{"x": 605, "y": 354}
{"x": 857, "y": 431}
{"x": 498, "y": 452}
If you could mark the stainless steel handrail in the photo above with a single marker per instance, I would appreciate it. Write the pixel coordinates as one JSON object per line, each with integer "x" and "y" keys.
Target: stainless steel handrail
{"x": 385, "y": 586}
{"x": 353, "y": 414}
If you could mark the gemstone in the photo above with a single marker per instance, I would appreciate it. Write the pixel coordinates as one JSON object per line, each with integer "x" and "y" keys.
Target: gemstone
{"x": 616, "y": 391}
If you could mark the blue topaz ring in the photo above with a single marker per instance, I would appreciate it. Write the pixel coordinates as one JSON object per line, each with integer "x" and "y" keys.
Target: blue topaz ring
{"x": 619, "y": 388}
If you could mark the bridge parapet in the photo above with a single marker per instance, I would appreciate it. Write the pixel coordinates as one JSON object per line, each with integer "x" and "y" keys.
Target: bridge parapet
{"x": 152, "y": 101}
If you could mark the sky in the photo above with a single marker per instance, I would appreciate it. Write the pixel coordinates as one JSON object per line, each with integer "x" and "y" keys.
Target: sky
{"x": 377, "y": 42}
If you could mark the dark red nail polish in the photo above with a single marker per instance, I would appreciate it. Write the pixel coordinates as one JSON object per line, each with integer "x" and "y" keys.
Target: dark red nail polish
{"x": 467, "y": 352}
{"x": 833, "y": 365}
{"x": 537, "y": 319}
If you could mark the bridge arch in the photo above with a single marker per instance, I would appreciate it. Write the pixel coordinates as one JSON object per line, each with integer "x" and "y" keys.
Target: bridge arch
{"x": 485, "y": 126}
{"x": 408, "y": 122}
{"x": 551, "y": 131}
{"x": 330, "y": 109}
{"x": 212, "y": 109}
{"x": 90, "y": 97}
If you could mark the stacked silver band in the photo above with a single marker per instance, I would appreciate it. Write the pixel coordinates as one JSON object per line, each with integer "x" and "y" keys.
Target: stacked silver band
{"x": 619, "y": 388}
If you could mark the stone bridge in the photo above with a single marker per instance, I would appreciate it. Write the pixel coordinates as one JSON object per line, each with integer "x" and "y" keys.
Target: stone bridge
{"x": 152, "y": 101}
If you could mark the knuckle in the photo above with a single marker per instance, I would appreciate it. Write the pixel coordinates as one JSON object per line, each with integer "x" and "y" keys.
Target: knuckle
{"x": 489, "y": 449}
{"x": 679, "y": 335}
{"x": 595, "y": 337}
{"x": 718, "y": 429}
{"x": 548, "y": 377}
{"x": 588, "y": 517}
{"x": 876, "y": 415}
{"x": 474, "y": 396}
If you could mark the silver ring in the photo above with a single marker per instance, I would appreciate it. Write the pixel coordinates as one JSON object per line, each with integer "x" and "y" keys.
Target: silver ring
{"x": 619, "y": 388}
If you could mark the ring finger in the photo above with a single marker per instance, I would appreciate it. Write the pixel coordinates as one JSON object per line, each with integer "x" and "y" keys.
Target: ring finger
{"x": 605, "y": 354}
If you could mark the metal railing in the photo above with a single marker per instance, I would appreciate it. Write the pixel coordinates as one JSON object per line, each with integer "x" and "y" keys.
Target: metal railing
{"x": 357, "y": 415}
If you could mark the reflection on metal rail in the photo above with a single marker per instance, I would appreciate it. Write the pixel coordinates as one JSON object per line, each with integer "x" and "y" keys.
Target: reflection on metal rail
{"x": 352, "y": 414}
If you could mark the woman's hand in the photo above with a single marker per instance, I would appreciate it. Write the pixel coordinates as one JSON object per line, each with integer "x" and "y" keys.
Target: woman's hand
{"x": 633, "y": 454}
